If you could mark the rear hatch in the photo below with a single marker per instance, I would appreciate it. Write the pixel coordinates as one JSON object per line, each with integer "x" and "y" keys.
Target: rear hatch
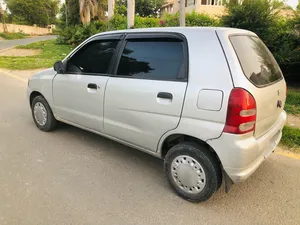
{"x": 265, "y": 80}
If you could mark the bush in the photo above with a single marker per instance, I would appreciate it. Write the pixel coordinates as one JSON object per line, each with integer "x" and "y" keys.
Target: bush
{"x": 200, "y": 20}
{"x": 170, "y": 20}
{"x": 146, "y": 22}
{"x": 77, "y": 34}
{"x": 192, "y": 20}
{"x": 118, "y": 22}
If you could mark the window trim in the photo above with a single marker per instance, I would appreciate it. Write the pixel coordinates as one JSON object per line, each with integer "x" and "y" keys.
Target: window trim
{"x": 181, "y": 77}
{"x": 238, "y": 58}
{"x": 106, "y": 37}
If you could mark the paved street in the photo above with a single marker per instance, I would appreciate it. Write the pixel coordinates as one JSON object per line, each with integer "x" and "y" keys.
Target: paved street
{"x": 71, "y": 176}
{"x": 13, "y": 43}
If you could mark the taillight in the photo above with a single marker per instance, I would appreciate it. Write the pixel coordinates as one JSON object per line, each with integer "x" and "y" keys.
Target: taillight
{"x": 241, "y": 112}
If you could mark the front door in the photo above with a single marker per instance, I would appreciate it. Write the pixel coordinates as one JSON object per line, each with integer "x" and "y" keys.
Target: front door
{"x": 144, "y": 98}
{"x": 79, "y": 93}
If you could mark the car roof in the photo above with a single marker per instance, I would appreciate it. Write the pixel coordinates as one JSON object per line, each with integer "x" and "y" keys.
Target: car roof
{"x": 182, "y": 30}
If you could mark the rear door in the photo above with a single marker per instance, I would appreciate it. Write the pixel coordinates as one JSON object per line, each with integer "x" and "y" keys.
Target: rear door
{"x": 257, "y": 71}
{"x": 144, "y": 97}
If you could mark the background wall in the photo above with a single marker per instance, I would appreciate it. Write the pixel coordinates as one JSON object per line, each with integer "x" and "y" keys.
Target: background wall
{"x": 31, "y": 30}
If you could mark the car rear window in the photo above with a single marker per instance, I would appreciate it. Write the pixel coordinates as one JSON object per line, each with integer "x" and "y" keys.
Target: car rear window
{"x": 256, "y": 60}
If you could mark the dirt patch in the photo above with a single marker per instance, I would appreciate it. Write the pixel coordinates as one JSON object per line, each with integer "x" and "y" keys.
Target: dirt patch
{"x": 293, "y": 121}
{"x": 20, "y": 52}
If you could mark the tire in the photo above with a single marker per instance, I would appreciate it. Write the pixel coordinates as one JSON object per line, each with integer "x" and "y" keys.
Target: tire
{"x": 50, "y": 122}
{"x": 193, "y": 171}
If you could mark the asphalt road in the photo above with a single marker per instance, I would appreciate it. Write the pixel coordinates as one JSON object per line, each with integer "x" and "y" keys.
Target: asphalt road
{"x": 13, "y": 43}
{"x": 71, "y": 176}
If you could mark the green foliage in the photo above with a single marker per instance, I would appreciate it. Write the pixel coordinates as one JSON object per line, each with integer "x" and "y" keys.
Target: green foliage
{"x": 74, "y": 35}
{"x": 49, "y": 55}
{"x": 69, "y": 13}
{"x": 120, "y": 8}
{"x": 279, "y": 34}
{"x": 13, "y": 36}
{"x": 117, "y": 22}
{"x": 143, "y": 8}
{"x": 201, "y": 20}
{"x": 148, "y": 7}
{"x": 192, "y": 20}
{"x": 292, "y": 104}
{"x": 257, "y": 15}
{"x": 170, "y": 20}
{"x": 291, "y": 138}
{"x": 29, "y": 12}
{"x": 146, "y": 22}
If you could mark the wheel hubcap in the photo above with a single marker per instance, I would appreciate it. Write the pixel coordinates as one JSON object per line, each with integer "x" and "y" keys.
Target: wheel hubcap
{"x": 188, "y": 174}
{"x": 40, "y": 114}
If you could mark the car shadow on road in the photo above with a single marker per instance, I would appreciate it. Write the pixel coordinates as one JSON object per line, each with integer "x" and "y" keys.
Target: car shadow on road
{"x": 266, "y": 188}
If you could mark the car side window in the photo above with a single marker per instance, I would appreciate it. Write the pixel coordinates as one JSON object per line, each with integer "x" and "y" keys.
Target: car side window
{"x": 155, "y": 58}
{"x": 93, "y": 58}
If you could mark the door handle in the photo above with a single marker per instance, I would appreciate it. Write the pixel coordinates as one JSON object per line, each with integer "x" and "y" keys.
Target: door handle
{"x": 165, "y": 95}
{"x": 92, "y": 86}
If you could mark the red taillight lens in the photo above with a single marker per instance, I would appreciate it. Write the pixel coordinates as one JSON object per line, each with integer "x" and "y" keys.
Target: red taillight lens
{"x": 241, "y": 112}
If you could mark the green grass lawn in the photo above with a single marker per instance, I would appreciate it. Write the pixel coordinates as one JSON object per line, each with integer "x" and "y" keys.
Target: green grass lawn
{"x": 291, "y": 135}
{"x": 291, "y": 138}
{"x": 292, "y": 105}
{"x": 13, "y": 36}
{"x": 51, "y": 52}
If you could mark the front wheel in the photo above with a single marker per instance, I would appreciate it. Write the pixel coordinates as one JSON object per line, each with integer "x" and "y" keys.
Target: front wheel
{"x": 192, "y": 171}
{"x": 42, "y": 114}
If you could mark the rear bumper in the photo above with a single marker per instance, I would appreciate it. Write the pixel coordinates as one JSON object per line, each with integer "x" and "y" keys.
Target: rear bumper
{"x": 241, "y": 155}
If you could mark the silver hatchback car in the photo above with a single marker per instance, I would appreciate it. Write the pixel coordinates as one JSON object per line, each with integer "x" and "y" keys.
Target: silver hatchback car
{"x": 208, "y": 101}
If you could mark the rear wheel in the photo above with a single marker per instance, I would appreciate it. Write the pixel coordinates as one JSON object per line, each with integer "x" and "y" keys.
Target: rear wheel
{"x": 42, "y": 114}
{"x": 192, "y": 171}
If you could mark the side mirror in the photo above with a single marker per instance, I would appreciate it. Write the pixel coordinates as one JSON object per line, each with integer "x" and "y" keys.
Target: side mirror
{"x": 59, "y": 67}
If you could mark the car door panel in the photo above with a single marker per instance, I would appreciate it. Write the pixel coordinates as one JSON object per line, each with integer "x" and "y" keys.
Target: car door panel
{"x": 145, "y": 99}
{"x": 79, "y": 93}
{"x": 135, "y": 113}
{"x": 76, "y": 103}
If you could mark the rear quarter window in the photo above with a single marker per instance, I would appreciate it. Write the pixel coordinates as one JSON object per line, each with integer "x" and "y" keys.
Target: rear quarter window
{"x": 257, "y": 62}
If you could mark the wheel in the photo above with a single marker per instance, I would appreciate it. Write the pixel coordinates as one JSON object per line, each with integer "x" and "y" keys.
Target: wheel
{"x": 42, "y": 114}
{"x": 193, "y": 171}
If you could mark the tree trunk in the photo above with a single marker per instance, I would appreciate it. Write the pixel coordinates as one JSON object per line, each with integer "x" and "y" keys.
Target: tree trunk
{"x": 88, "y": 15}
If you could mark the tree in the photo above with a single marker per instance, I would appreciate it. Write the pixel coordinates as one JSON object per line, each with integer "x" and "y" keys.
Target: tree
{"x": 91, "y": 9}
{"x": 280, "y": 34}
{"x": 259, "y": 16}
{"x": 29, "y": 12}
{"x": 298, "y": 6}
{"x": 69, "y": 13}
{"x": 143, "y": 8}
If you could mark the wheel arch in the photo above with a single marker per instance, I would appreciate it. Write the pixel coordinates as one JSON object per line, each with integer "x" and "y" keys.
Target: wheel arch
{"x": 33, "y": 95}
{"x": 174, "y": 139}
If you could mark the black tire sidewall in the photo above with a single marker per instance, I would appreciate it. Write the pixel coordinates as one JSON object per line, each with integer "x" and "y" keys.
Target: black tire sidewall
{"x": 51, "y": 122}
{"x": 208, "y": 163}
